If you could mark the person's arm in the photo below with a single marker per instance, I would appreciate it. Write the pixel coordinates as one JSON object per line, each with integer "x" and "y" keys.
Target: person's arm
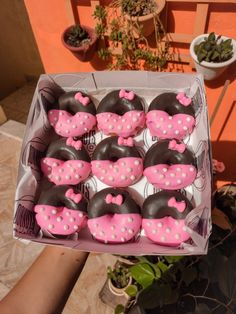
{"x": 46, "y": 286}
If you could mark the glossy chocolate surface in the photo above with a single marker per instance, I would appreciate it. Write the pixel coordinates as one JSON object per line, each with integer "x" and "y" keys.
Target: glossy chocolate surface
{"x": 68, "y": 103}
{"x": 159, "y": 153}
{"x": 156, "y": 205}
{"x": 98, "y": 207}
{"x": 113, "y": 103}
{"x": 167, "y": 102}
{"x": 55, "y": 196}
{"x": 60, "y": 150}
{"x": 108, "y": 149}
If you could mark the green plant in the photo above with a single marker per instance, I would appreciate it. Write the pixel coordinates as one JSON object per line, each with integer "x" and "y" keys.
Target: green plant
{"x": 214, "y": 49}
{"x": 119, "y": 275}
{"x": 138, "y": 7}
{"x": 124, "y": 45}
{"x": 76, "y": 36}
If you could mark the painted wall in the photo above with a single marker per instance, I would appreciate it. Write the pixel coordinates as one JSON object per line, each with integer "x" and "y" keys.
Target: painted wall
{"x": 19, "y": 57}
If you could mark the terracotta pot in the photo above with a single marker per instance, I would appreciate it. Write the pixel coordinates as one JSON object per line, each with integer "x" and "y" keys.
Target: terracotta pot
{"x": 85, "y": 52}
{"x": 147, "y": 21}
{"x": 118, "y": 291}
{"x": 210, "y": 70}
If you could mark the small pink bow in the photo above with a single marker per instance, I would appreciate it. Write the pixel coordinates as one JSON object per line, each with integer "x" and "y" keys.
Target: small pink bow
{"x": 126, "y": 95}
{"x": 180, "y": 206}
{"x": 185, "y": 101}
{"x": 76, "y": 144}
{"x": 73, "y": 196}
{"x": 178, "y": 147}
{"x": 118, "y": 200}
{"x": 126, "y": 142}
{"x": 84, "y": 100}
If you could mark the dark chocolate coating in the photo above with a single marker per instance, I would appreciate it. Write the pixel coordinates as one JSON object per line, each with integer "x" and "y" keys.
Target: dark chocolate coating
{"x": 156, "y": 205}
{"x": 98, "y": 207}
{"x": 167, "y": 102}
{"x": 114, "y": 104}
{"x": 60, "y": 150}
{"x": 108, "y": 149}
{"x": 159, "y": 153}
{"x": 55, "y": 196}
{"x": 68, "y": 103}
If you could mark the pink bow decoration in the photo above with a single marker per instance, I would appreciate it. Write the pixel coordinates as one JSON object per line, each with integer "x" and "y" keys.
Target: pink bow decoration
{"x": 76, "y": 144}
{"x": 180, "y": 206}
{"x": 126, "y": 95}
{"x": 118, "y": 200}
{"x": 126, "y": 142}
{"x": 178, "y": 147}
{"x": 185, "y": 101}
{"x": 84, "y": 100}
{"x": 73, "y": 196}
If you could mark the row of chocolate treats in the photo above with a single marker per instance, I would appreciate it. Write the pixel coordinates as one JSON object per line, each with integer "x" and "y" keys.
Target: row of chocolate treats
{"x": 112, "y": 216}
{"x": 121, "y": 113}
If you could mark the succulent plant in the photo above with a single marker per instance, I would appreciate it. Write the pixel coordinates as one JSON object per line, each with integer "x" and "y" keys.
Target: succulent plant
{"x": 214, "y": 49}
{"x": 138, "y": 7}
{"x": 77, "y": 36}
{"x": 119, "y": 276}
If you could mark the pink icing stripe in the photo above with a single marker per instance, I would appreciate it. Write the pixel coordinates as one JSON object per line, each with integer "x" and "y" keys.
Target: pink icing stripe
{"x": 124, "y": 172}
{"x": 65, "y": 172}
{"x": 172, "y": 177}
{"x": 115, "y": 228}
{"x": 164, "y": 126}
{"x": 68, "y": 125}
{"x": 126, "y": 125}
{"x": 166, "y": 231}
{"x": 60, "y": 220}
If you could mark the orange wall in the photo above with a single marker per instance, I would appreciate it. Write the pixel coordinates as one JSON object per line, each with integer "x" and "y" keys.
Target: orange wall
{"x": 50, "y": 18}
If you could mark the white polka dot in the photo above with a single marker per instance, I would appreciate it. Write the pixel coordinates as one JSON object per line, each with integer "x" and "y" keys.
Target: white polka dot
{"x": 42, "y": 209}
{"x": 168, "y": 230}
{"x": 149, "y": 223}
{"x": 45, "y": 161}
{"x": 72, "y": 219}
{"x": 68, "y": 121}
{"x": 137, "y": 162}
{"x": 123, "y": 120}
{"x": 50, "y": 112}
{"x": 188, "y": 119}
{"x": 85, "y": 129}
{"x": 164, "y": 132}
{"x": 158, "y": 126}
{"x": 119, "y": 127}
{"x": 164, "y": 169}
{"x": 104, "y": 171}
{"x": 77, "y": 176}
{"x": 101, "y": 178}
{"x": 135, "y": 119}
{"x": 75, "y": 227}
{"x": 86, "y": 117}
{"x": 67, "y": 131}
{"x": 54, "y": 211}
{"x": 179, "y": 181}
{"x": 111, "y": 178}
{"x": 123, "y": 177}
{"x": 109, "y": 115}
{"x": 68, "y": 177}
{"x": 55, "y": 119}
{"x": 129, "y": 126}
{"x": 102, "y": 233}
{"x": 161, "y": 176}
{"x": 81, "y": 215}
{"x": 59, "y": 219}
{"x": 177, "y": 132}
{"x": 154, "y": 231}
{"x": 177, "y": 236}
{"x": 61, "y": 113}
{"x": 185, "y": 128}
{"x": 172, "y": 174}
{"x": 161, "y": 119}
{"x": 111, "y": 127}
{"x": 131, "y": 231}
{"x": 116, "y": 170}
{"x": 170, "y": 117}
{"x": 114, "y": 120}
{"x": 114, "y": 236}
{"x": 66, "y": 227}
{"x": 58, "y": 178}
{"x": 74, "y": 126}
{"x": 113, "y": 227}
{"x": 80, "y": 165}
{"x": 167, "y": 183}
{"x": 49, "y": 168}
{"x": 184, "y": 228}
{"x": 163, "y": 239}
{"x": 111, "y": 166}
{"x": 46, "y": 217}
{"x": 129, "y": 169}
{"x": 61, "y": 170}
{"x": 96, "y": 225}
{"x": 122, "y": 239}
{"x": 184, "y": 175}
{"x": 191, "y": 169}
{"x": 68, "y": 165}
{"x": 160, "y": 225}
{"x": 94, "y": 234}
{"x": 130, "y": 219}
{"x": 170, "y": 126}
{"x": 176, "y": 222}
{"x": 179, "y": 121}
{"x": 123, "y": 229}
{"x": 123, "y": 164}
{"x": 68, "y": 213}
{"x": 55, "y": 164}
{"x": 82, "y": 123}
{"x": 50, "y": 226}
{"x": 132, "y": 177}
{"x": 178, "y": 169}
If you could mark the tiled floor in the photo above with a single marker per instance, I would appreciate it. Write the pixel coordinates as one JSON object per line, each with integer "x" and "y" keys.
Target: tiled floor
{"x": 16, "y": 256}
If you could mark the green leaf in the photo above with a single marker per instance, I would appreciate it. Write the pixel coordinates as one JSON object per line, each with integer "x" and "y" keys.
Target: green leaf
{"x": 173, "y": 259}
{"x": 119, "y": 309}
{"x": 143, "y": 273}
{"x": 163, "y": 267}
{"x": 211, "y": 37}
{"x": 189, "y": 275}
{"x": 131, "y": 290}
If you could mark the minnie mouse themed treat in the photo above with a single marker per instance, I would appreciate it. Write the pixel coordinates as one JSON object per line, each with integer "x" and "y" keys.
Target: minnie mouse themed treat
{"x": 75, "y": 116}
{"x": 121, "y": 113}
{"x": 61, "y": 211}
{"x": 170, "y": 115}
{"x": 114, "y": 217}
{"x": 169, "y": 165}
{"x": 66, "y": 162}
{"x": 117, "y": 162}
{"x": 164, "y": 216}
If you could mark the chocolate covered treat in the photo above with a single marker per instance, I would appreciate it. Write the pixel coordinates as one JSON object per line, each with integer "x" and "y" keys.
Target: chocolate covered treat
{"x": 169, "y": 165}
{"x": 75, "y": 115}
{"x": 170, "y": 115}
{"x": 117, "y": 162}
{"x": 61, "y": 210}
{"x": 164, "y": 216}
{"x": 66, "y": 162}
{"x": 114, "y": 217}
{"x": 121, "y": 113}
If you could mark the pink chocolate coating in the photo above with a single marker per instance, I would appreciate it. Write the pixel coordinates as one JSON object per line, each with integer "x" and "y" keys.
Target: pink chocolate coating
{"x": 115, "y": 228}
{"x": 164, "y": 126}
{"x": 60, "y": 220}
{"x": 66, "y": 124}
{"x": 68, "y": 172}
{"x": 171, "y": 177}
{"x": 166, "y": 231}
{"x": 124, "y": 172}
{"x": 126, "y": 125}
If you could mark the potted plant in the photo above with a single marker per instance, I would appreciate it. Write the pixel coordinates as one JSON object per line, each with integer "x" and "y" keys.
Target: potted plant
{"x": 81, "y": 41}
{"x": 212, "y": 54}
{"x": 119, "y": 278}
{"x": 144, "y": 13}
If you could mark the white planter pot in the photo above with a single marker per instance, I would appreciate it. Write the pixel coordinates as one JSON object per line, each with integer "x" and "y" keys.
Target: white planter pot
{"x": 210, "y": 70}
{"x": 118, "y": 291}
